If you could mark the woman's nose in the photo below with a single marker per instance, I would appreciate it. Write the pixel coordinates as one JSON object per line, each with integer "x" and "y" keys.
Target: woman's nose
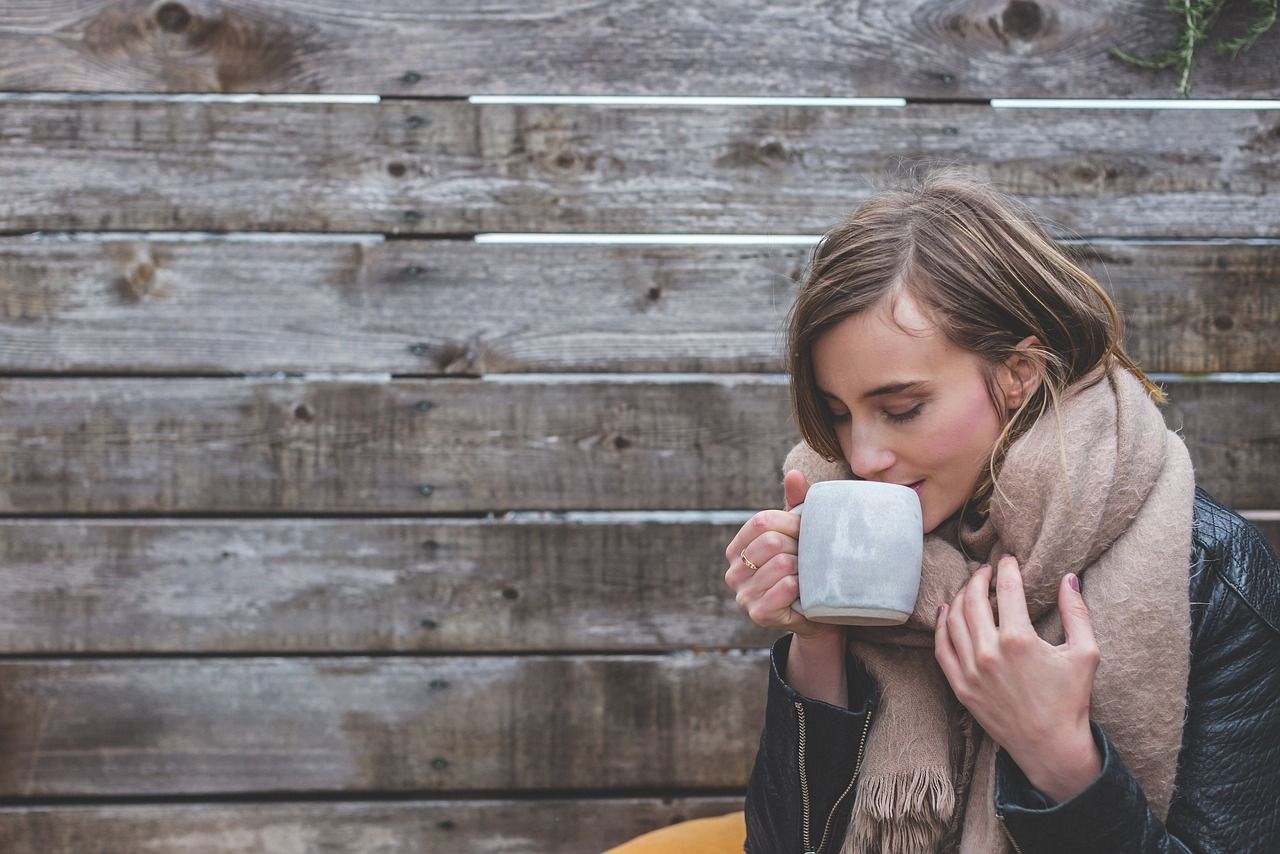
{"x": 868, "y": 457}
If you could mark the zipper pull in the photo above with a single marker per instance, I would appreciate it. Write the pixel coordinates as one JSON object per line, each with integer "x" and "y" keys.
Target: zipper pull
{"x": 1007, "y": 832}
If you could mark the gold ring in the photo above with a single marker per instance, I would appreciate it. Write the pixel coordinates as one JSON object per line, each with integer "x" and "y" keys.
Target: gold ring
{"x": 747, "y": 561}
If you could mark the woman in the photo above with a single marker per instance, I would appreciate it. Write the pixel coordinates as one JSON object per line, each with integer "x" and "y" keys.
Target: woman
{"x": 1117, "y": 697}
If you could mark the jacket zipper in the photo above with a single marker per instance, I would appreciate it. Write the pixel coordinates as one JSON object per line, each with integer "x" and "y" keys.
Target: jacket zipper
{"x": 804, "y": 782}
{"x": 1012, "y": 841}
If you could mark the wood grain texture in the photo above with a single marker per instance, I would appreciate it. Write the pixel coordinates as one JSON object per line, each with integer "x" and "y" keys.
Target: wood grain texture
{"x": 457, "y": 168}
{"x": 449, "y": 306}
{"x": 552, "y": 825}
{"x": 1270, "y": 530}
{"x": 359, "y": 724}
{"x": 248, "y": 446}
{"x": 326, "y": 586}
{"x": 336, "y": 586}
{"x": 415, "y": 446}
{"x": 1049, "y": 48}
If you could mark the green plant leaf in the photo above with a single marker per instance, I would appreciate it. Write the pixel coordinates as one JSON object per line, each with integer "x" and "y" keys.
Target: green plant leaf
{"x": 1198, "y": 18}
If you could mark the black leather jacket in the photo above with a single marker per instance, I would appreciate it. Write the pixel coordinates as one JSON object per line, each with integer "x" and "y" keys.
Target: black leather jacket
{"x": 1227, "y": 788}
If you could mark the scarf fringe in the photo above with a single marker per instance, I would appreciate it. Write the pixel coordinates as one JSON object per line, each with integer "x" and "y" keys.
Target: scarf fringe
{"x": 901, "y": 813}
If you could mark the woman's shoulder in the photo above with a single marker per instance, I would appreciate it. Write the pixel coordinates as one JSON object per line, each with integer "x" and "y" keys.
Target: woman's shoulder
{"x": 1226, "y": 549}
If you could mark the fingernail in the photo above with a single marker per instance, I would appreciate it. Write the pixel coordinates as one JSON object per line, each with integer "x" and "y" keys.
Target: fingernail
{"x": 984, "y": 566}
{"x": 1073, "y": 581}
{"x": 1005, "y": 555}
{"x": 941, "y": 608}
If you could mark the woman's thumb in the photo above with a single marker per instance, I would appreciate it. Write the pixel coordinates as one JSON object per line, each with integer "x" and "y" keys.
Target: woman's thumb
{"x": 795, "y": 487}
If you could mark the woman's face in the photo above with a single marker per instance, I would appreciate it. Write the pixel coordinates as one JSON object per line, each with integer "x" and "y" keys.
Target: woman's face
{"x": 910, "y": 408}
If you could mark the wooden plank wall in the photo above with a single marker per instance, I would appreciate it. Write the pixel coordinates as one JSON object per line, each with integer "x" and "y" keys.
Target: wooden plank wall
{"x": 325, "y": 527}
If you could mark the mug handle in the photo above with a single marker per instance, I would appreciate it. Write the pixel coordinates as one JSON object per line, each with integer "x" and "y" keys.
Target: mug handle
{"x": 795, "y": 606}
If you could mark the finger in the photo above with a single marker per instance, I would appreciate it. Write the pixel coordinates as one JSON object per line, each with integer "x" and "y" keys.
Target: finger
{"x": 1075, "y": 614}
{"x": 741, "y": 572}
{"x": 778, "y": 598}
{"x": 778, "y": 606}
{"x": 759, "y": 524}
{"x": 765, "y": 547}
{"x": 739, "y": 580}
{"x": 1011, "y": 599}
{"x": 978, "y": 616}
{"x": 958, "y": 632}
{"x": 737, "y": 575}
{"x": 794, "y": 487}
{"x": 760, "y": 582}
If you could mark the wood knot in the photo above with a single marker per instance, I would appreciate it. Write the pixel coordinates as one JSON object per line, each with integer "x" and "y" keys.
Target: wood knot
{"x": 750, "y": 154}
{"x": 173, "y": 17}
{"x": 1085, "y": 173}
{"x": 774, "y": 150}
{"x": 568, "y": 159}
{"x": 139, "y": 281}
{"x": 1022, "y": 19}
{"x": 227, "y": 50}
{"x": 142, "y": 275}
{"x": 454, "y": 357}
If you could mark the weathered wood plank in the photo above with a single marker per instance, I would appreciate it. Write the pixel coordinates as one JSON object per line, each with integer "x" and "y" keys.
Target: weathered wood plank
{"x": 1270, "y": 529}
{"x": 554, "y": 826}
{"x": 337, "y": 586}
{"x": 417, "y": 446}
{"x": 330, "y": 586}
{"x": 404, "y": 47}
{"x": 452, "y": 445}
{"x": 218, "y": 306}
{"x": 184, "y": 726}
{"x": 459, "y": 168}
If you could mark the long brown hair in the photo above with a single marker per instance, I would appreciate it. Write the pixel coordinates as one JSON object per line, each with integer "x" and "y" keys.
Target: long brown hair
{"x": 984, "y": 270}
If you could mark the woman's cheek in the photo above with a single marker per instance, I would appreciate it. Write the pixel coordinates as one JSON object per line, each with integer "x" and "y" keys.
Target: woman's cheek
{"x": 974, "y": 429}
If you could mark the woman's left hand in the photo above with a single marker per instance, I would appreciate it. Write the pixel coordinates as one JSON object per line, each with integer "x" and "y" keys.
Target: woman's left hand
{"x": 1030, "y": 696}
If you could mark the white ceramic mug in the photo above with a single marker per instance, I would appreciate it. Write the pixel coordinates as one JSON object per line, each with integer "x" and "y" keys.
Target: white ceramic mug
{"x": 860, "y": 549}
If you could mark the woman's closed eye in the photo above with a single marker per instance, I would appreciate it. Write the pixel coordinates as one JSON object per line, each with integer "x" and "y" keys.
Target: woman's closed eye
{"x": 898, "y": 417}
{"x": 905, "y": 416}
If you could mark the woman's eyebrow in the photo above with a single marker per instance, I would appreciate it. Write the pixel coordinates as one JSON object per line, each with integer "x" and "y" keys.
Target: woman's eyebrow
{"x": 888, "y": 388}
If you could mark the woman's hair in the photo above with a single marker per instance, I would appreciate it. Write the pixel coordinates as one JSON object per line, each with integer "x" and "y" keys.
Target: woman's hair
{"x": 984, "y": 271}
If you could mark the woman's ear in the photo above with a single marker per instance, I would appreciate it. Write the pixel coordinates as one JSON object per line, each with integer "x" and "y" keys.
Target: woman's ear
{"x": 1020, "y": 374}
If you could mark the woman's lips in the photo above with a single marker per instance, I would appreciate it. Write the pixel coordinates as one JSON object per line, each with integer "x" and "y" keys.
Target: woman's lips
{"x": 917, "y": 485}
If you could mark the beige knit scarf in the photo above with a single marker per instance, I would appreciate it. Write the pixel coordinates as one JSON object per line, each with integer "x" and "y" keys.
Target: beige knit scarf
{"x": 1121, "y": 520}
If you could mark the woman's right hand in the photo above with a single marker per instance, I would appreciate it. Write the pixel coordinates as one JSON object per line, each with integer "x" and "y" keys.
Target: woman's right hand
{"x": 770, "y": 539}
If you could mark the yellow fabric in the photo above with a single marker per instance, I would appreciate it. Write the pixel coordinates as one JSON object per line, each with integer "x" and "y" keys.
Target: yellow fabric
{"x": 724, "y": 834}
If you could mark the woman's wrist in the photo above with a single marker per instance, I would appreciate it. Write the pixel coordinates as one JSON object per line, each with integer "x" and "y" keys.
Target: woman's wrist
{"x": 815, "y": 668}
{"x": 822, "y": 639}
{"x": 1063, "y": 768}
